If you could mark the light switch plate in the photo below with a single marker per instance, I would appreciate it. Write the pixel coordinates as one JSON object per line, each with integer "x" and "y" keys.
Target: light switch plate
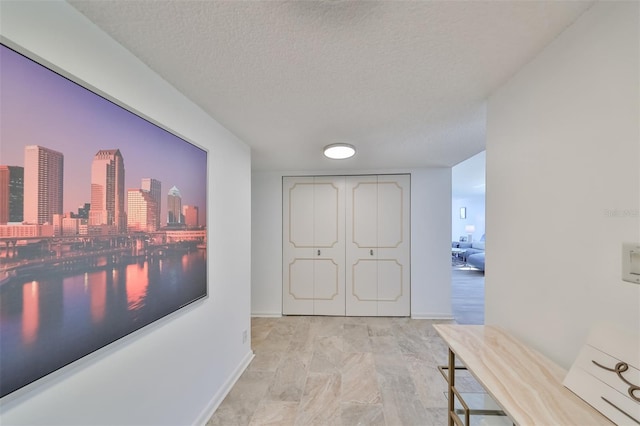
{"x": 631, "y": 262}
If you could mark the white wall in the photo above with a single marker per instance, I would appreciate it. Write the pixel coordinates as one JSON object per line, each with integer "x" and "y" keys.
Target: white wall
{"x": 430, "y": 245}
{"x": 563, "y": 161}
{"x": 475, "y": 206}
{"x": 468, "y": 179}
{"x": 175, "y": 371}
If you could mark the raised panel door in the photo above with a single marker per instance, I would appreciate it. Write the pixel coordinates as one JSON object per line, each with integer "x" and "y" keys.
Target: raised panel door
{"x": 390, "y": 210}
{"x": 394, "y": 272}
{"x": 346, "y": 245}
{"x": 377, "y": 247}
{"x": 298, "y": 294}
{"x": 329, "y": 246}
{"x": 313, "y": 246}
{"x": 361, "y": 246}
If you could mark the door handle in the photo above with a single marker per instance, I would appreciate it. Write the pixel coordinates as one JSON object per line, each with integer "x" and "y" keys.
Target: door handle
{"x": 318, "y": 252}
{"x": 371, "y": 252}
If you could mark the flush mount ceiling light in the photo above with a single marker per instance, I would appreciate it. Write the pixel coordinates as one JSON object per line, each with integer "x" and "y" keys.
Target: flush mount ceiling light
{"x": 339, "y": 151}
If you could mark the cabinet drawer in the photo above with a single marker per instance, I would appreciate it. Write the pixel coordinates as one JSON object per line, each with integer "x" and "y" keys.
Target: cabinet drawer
{"x": 586, "y": 359}
{"x": 592, "y": 390}
{"x": 606, "y": 375}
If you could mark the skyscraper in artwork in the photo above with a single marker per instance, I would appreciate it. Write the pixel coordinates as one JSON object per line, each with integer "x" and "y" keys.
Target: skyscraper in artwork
{"x": 107, "y": 190}
{"x": 4, "y": 195}
{"x": 190, "y": 214}
{"x": 141, "y": 211}
{"x": 174, "y": 207}
{"x": 43, "y": 184}
{"x": 11, "y": 194}
{"x": 154, "y": 188}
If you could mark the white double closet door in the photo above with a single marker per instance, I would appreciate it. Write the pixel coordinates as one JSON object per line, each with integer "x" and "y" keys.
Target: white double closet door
{"x": 346, "y": 245}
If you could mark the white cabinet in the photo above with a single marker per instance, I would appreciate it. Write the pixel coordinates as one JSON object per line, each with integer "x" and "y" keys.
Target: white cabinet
{"x": 346, "y": 245}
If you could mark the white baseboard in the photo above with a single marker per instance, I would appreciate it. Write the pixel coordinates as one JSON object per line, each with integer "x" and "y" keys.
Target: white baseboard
{"x": 432, "y": 316}
{"x": 266, "y": 314}
{"x": 217, "y": 399}
{"x": 429, "y": 315}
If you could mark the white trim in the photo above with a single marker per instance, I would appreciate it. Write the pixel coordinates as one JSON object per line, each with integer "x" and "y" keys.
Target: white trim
{"x": 266, "y": 314}
{"x": 217, "y": 399}
{"x": 431, "y": 316}
{"x": 426, "y": 315}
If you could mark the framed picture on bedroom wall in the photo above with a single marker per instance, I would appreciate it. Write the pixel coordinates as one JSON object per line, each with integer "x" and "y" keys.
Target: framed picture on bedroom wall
{"x": 102, "y": 221}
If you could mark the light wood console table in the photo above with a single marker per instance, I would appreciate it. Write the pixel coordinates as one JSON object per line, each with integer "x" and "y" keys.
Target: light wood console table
{"x": 526, "y": 385}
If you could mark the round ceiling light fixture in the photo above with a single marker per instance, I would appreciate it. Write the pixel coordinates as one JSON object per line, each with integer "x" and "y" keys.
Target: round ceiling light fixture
{"x": 339, "y": 151}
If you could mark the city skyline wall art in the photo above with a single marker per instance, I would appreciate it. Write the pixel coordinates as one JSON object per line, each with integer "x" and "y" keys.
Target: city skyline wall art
{"x": 103, "y": 221}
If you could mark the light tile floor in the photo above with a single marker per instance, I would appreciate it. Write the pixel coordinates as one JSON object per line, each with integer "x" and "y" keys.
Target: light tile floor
{"x": 341, "y": 371}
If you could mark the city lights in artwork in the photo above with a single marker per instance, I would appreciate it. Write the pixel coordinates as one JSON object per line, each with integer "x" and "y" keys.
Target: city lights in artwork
{"x": 102, "y": 222}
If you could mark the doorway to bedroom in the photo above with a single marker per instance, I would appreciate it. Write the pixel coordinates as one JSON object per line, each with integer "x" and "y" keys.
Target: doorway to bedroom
{"x": 468, "y": 239}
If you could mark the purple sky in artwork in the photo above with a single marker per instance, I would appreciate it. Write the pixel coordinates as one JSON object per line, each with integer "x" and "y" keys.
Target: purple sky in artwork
{"x": 39, "y": 107}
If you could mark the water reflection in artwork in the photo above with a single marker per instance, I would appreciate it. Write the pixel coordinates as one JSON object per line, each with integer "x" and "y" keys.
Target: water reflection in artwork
{"x": 66, "y": 317}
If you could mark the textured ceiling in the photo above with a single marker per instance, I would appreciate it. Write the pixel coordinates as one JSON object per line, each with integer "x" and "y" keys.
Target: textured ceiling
{"x": 405, "y": 82}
